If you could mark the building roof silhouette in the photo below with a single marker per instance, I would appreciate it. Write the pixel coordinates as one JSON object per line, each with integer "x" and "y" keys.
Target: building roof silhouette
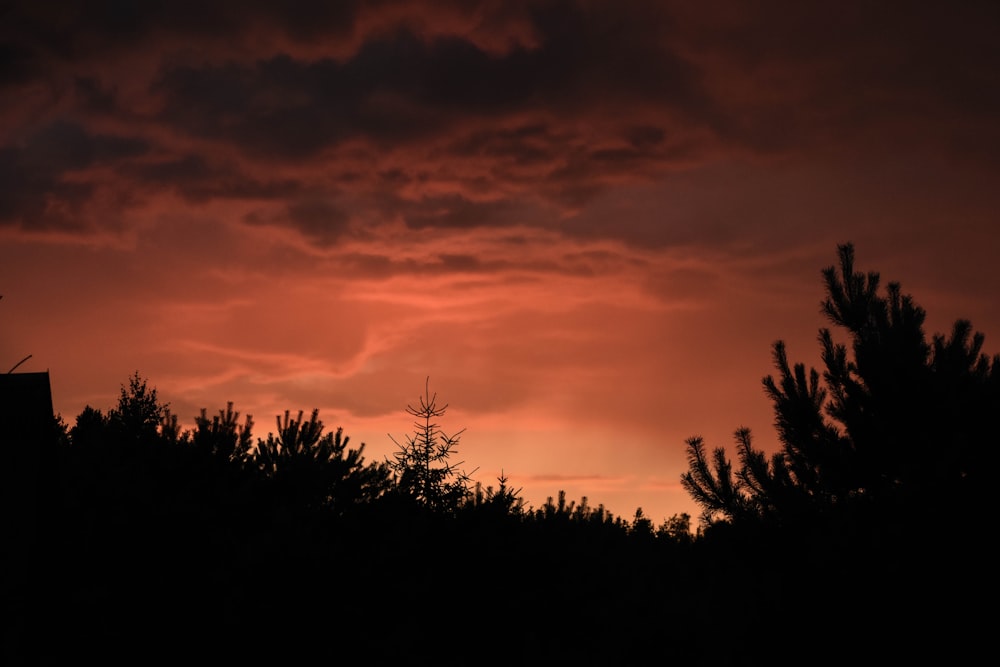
{"x": 25, "y": 405}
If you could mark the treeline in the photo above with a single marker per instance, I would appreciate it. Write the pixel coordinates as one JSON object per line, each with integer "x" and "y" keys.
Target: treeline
{"x": 866, "y": 535}
{"x": 136, "y": 456}
{"x": 293, "y": 545}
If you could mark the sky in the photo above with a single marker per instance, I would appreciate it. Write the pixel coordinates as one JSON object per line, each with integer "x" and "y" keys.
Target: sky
{"x": 581, "y": 224}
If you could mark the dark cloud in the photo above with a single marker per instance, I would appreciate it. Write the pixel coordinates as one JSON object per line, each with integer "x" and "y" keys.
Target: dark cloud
{"x": 401, "y": 86}
{"x": 896, "y": 73}
{"x": 448, "y": 73}
{"x": 644, "y": 136}
{"x": 198, "y": 180}
{"x": 35, "y": 185}
{"x": 495, "y": 109}
{"x": 407, "y": 85}
{"x": 460, "y": 263}
{"x": 455, "y": 211}
{"x": 318, "y": 217}
{"x": 28, "y": 196}
{"x": 63, "y": 146}
{"x": 70, "y": 30}
{"x": 175, "y": 172}
{"x": 277, "y": 107}
{"x": 392, "y": 91}
{"x": 93, "y": 96}
{"x": 17, "y": 64}
{"x": 619, "y": 54}
{"x": 379, "y": 266}
{"x": 525, "y": 145}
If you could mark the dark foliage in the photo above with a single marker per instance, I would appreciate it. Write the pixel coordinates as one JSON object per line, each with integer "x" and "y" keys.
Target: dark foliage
{"x": 310, "y": 470}
{"x": 423, "y": 466}
{"x": 160, "y": 541}
{"x": 897, "y": 427}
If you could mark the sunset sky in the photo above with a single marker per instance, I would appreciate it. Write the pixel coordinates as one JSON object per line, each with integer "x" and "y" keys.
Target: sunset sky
{"x": 585, "y": 222}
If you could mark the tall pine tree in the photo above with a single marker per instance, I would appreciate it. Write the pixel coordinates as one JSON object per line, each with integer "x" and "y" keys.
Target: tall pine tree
{"x": 893, "y": 424}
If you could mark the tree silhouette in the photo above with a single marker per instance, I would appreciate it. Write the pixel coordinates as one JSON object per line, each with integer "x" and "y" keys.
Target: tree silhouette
{"x": 90, "y": 428}
{"x": 422, "y": 465}
{"x": 120, "y": 457}
{"x": 138, "y": 415}
{"x": 311, "y": 470}
{"x": 222, "y": 435}
{"x": 502, "y": 501}
{"x": 895, "y": 422}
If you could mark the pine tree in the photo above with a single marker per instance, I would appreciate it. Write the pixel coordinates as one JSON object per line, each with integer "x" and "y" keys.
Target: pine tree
{"x": 895, "y": 422}
{"x": 223, "y": 435}
{"x": 311, "y": 470}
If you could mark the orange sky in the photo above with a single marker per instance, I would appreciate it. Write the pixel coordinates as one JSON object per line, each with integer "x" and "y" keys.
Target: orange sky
{"x": 585, "y": 221}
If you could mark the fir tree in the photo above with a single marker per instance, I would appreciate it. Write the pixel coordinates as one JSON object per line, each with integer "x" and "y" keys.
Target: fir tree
{"x": 422, "y": 464}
